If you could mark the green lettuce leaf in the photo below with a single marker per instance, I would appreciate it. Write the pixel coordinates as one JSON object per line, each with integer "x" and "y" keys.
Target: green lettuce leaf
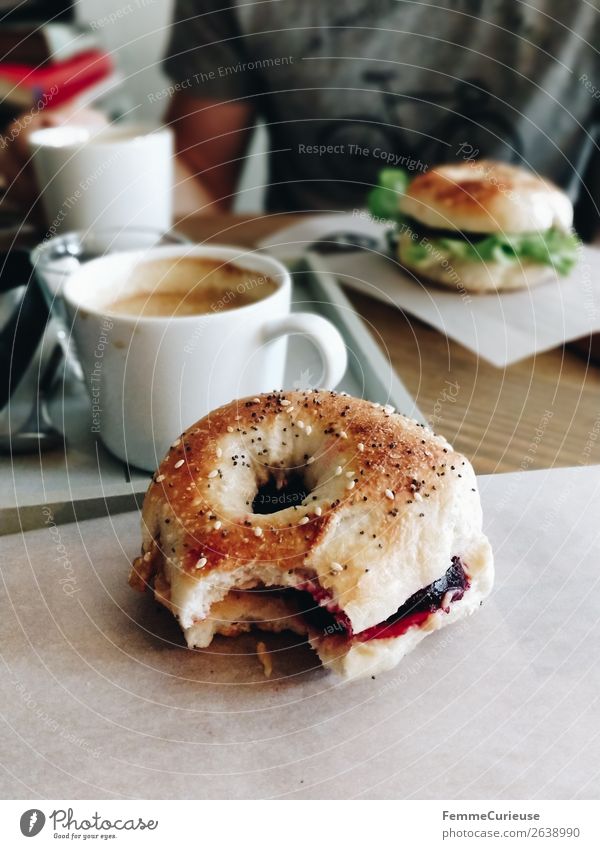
{"x": 553, "y": 247}
{"x": 383, "y": 199}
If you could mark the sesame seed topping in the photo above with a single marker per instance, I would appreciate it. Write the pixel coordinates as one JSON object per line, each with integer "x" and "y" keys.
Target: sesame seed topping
{"x": 258, "y": 532}
{"x": 389, "y": 494}
{"x": 160, "y": 478}
{"x": 284, "y": 402}
{"x": 349, "y": 474}
{"x": 418, "y": 496}
{"x": 304, "y": 520}
{"x": 350, "y": 485}
{"x": 318, "y": 511}
{"x": 375, "y": 405}
{"x": 339, "y": 470}
{"x": 201, "y": 563}
{"x": 213, "y": 474}
{"x": 388, "y": 409}
{"x": 336, "y": 567}
{"x": 176, "y": 443}
{"x": 300, "y": 425}
{"x": 229, "y": 429}
{"x": 178, "y": 464}
{"x": 218, "y": 525}
{"x": 308, "y": 430}
{"x": 256, "y": 400}
{"x": 360, "y": 446}
{"x": 310, "y": 460}
{"x": 219, "y": 452}
{"x": 343, "y": 434}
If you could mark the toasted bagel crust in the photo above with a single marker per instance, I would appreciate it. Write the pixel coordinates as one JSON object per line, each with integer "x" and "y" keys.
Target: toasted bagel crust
{"x": 486, "y": 197}
{"x": 388, "y": 504}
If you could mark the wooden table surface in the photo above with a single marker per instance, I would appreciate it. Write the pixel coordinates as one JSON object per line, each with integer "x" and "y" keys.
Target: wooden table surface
{"x": 542, "y": 412}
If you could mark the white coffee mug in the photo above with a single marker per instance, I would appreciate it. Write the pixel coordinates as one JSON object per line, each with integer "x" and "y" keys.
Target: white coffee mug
{"x": 152, "y": 377}
{"x": 119, "y": 176}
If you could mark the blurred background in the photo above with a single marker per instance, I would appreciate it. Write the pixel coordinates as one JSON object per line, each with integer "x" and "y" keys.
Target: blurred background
{"x": 138, "y": 42}
{"x": 135, "y": 34}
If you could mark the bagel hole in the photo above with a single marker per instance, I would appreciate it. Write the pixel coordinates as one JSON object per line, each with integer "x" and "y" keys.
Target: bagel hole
{"x": 280, "y": 492}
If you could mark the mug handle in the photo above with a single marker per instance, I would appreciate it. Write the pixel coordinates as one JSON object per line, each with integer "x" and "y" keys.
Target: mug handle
{"x": 324, "y": 336}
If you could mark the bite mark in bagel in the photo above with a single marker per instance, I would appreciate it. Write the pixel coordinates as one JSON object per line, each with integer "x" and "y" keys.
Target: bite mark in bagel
{"x": 314, "y": 512}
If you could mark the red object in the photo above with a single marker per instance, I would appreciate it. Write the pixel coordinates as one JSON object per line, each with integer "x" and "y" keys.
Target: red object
{"x": 55, "y": 83}
{"x": 396, "y": 629}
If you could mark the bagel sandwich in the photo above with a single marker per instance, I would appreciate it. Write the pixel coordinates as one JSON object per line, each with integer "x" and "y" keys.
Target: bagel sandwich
{"x": 310, "y": 511}
{"x": 479, "y": 226}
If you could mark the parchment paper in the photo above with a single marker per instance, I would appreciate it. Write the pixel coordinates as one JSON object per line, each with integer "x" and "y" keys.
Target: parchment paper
{"x": 100, "y": 699}
{"x": 501, "y": 328}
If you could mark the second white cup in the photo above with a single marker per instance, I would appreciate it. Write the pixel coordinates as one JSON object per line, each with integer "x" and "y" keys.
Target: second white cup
{"x": 120, "y": 176}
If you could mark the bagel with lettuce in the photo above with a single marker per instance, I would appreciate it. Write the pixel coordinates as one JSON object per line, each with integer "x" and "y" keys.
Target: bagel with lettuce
{"x": 481, "y": 226}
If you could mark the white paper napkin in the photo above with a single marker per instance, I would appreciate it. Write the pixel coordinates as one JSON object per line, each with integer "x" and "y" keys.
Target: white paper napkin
{"x": 101, "y": 698}
{"x": 292, "y": 241}
{"x": 500, "y": 328}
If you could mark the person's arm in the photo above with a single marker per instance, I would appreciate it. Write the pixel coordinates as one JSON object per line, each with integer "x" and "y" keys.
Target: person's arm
{"x": 211, "y": 113}
{"x": 211, "y": 139}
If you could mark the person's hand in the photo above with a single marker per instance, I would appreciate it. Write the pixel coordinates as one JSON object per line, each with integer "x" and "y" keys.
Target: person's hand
{"x": 15, "y": 165}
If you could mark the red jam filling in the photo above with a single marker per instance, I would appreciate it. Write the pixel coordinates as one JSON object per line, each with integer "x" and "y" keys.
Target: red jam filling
{"x": 394, "y": 629}
{"x": 439, "y": 595}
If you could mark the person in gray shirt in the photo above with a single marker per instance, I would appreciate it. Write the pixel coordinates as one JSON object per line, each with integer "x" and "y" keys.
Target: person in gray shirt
{"x": 351, "y": 87}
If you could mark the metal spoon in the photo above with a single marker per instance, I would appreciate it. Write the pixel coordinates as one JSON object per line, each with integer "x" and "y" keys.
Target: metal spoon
{"x": 37, "y": 433}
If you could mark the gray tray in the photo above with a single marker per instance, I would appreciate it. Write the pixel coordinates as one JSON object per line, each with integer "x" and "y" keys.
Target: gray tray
{"x": 86, "y": 481}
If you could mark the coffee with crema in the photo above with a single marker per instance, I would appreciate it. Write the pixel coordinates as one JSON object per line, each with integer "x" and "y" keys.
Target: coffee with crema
{"x": 188, "y": 286}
